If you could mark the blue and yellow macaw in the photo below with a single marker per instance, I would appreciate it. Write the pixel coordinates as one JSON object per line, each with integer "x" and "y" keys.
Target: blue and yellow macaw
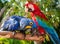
{"x": 18, "y": 23}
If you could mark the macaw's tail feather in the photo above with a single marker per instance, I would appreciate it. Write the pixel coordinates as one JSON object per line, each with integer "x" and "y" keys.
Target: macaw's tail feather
{"x": 50, "y": 30}
{"x": 54, "y": 39}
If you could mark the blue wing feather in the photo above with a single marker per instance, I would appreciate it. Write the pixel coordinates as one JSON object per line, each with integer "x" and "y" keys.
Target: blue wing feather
{"x": 50, "y": 30}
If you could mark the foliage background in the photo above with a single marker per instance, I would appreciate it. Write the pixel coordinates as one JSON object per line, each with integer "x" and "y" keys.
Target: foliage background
{"x": 51, "y": 8}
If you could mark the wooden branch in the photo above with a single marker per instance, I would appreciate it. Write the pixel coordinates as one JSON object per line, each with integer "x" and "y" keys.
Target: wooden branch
{"x": 20, "y": 36}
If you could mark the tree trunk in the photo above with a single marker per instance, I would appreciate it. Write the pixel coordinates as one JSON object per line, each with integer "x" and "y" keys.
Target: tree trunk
{"x": 6, "y": 16}
{"x": 2, "y": 12}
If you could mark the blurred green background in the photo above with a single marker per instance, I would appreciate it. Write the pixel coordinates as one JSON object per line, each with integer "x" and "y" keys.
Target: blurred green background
{"x": 51, "y": 8}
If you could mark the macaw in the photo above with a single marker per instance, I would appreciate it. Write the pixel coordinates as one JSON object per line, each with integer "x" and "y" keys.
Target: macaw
{"x": 37, "y": 15}
{"x": 33, "y": 9}
{"x": 19, "y": 23}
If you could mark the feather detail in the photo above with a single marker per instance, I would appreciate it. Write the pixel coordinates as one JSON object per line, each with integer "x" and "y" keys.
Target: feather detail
{"x": 50, "y": 30}
{"x": 40, "y": 29}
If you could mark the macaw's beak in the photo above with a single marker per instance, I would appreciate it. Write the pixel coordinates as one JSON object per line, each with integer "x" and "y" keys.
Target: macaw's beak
{"x": 28, "y": 27}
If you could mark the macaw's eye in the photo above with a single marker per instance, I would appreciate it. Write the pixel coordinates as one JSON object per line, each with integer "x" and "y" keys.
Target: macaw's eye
{"x": 31, "y": 23}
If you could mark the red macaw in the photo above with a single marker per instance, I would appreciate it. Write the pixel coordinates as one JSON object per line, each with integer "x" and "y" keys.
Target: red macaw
{"x": 42, "y": 25}
{"x": 36, "y": 11}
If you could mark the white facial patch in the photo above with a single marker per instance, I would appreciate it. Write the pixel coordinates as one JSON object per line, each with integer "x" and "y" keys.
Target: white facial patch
{"x": 31, "y": 6}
